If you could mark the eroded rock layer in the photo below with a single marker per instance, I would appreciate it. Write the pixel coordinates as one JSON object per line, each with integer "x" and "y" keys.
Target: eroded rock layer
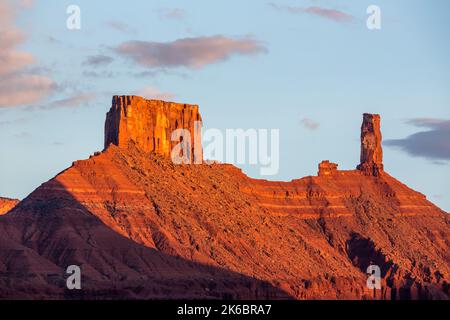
{"x": 135, "y": 220}
{"x": 140, "y": 226}
{"x": 152, "y": 125}
{"x": 334, "y": 194}
{"x": 7, "y": 204}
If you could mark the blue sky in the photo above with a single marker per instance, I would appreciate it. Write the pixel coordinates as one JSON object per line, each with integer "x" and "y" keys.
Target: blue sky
{"x": 279, "y": 65}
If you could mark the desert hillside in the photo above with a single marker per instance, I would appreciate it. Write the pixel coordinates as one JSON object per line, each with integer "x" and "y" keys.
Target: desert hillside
{"x": 142, "y": 227}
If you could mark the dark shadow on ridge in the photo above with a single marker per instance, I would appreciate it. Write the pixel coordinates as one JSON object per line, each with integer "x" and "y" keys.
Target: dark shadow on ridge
{"x": 50, "y": 230}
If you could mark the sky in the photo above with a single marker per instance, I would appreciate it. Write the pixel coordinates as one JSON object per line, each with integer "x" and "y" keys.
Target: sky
{"x": 308, "y": 68}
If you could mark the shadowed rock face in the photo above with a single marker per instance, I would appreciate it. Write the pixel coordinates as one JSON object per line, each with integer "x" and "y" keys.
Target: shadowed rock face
{"x": 142, "y": 227}
{"x": 371, "y": 150}
{"x": 52, "y": 229}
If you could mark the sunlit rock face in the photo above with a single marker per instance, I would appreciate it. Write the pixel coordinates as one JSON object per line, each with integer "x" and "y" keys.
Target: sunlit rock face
{"x": 142, "y": 227}
{"x": 151, "y": 123}
{"x": 371, "y": 150}
{"x": 7, "y": 204}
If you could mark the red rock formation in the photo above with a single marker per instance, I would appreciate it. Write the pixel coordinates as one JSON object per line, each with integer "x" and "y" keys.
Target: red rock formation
{"x": 371, "y": 149}
{"x": 142, "y": 227}
{"x": 150, "y": 124}
{"x": 7, "y": 204}
{"x": 326, "y": 168}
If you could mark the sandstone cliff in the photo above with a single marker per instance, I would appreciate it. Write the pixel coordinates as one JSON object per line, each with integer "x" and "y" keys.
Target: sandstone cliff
{"x": 7, "y": 204}
{"x": 371, "y": 150}
{"x": 143, "y": 227}
{"x": 150, "y": 124}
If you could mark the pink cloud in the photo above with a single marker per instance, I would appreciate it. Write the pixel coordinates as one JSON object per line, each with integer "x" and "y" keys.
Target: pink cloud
{"x": 16, "y": 86}
{"x": 26, "y": 4}
{"x": 22, "y": 89}
{"x": 150, "y": 92}
{"x": 309, "y": 124}
{"x": 11, "y": 61}
{"x": 331, "y": 14}
{"x": 6, "y": 12}
{"x": 188, "y": 52}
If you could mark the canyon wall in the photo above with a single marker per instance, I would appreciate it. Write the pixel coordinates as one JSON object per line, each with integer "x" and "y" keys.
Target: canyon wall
{"x": 142, "y": 227}
{"x": 150, "y": 125}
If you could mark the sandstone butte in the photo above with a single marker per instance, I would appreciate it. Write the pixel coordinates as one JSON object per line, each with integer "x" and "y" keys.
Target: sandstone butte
{"x": 142, "y": 227}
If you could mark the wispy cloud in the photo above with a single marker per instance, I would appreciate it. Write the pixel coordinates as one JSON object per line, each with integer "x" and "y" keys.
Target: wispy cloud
{"x": 309, "y": 124}
{"x": 172, "y": 13}
{"x": 188, "y": 52}
{"x": 98, "y": 60}
{"x": 151, "y": 92}
{"x": 17, "y": 85}
{"x": 72, "y": 101}
{"x": 99, "y": 74}
{"x": 120, "y": 26}
{"x": 327, "y": 13}
{"x": 26, "y": 4}
{"x": 433, "y": 143}
{"x": 20, "y": 89}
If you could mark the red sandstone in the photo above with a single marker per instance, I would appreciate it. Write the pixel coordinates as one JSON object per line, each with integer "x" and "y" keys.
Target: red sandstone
{"x": 7, "y": 204}
{"x": 142, "y": 227}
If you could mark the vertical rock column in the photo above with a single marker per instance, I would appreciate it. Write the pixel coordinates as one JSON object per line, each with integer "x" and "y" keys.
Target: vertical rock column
{"x": 371, "y": 149}
{"x": 150, "y": 124}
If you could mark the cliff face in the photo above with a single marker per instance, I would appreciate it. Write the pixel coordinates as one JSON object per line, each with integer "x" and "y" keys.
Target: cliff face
{"x": 142, "y": 227}
{"x": 7, "y": 204}
{"x": 371, "y": 150}
{"x": 151, "y": 124}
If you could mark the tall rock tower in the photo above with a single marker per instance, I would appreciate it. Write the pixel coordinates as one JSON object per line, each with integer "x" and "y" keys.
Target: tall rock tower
{"x": 150, "y": 124}
{"x": 371, "y": 149}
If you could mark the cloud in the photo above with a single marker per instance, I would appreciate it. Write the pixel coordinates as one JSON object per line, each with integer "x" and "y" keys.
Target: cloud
{"x": 433, "y": 144}
{"x": 26, "y": 4}
{"x": 98, "y": 60}
{"x": 52, "y": 40}
{"x": 11, "y": 61}
{"x": 120, "y": 26}
{"x": 6, "y": 13}
{"x": 146, "y": 73}
{"x": 150, "y": 92}
{"x": 101, "y": 74}
{"x": 309, "y": 124}
{"x": 173, "y": 13}
{"x": 331, "y": 14}
{"x": 22, "y": 135}
{"x": 23, "y": 89}
{"x": 17, "y": 85}
{"x": 188, "y": 52}
{"x": 73, "y": 101}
